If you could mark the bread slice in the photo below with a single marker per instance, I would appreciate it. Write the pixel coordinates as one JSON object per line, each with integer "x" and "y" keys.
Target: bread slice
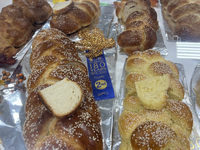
{"x": 63, "y": 7}
{"x": 62, "y": 98}
{"x": 152, "y": 92}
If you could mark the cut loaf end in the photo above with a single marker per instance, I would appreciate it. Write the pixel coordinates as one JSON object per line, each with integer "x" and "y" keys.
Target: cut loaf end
{"x": 63, "y": 98}
{"x": 63, "y": 7}
{"x": 152, "y": 92}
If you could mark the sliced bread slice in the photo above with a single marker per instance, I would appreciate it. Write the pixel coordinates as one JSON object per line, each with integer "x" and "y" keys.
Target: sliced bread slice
{"x": 63, "y": 7}
{"x": 63, "y": 98}
{"x": 152, "y": 92}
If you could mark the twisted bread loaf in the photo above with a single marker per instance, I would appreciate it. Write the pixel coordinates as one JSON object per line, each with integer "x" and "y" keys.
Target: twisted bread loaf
{"x": 140, "y": 25}
{"x": 55, "y": 44}
{"x": 148, "y": 64}
{"x": 169, "y": 128}
{"x": 80, "y": 15}
{"x": 38, "y": 11}
{"x": 17, "y": 23}
{"x": 41, "y": 129}
{"x": 144, "y": 127}
{"x": 15, "y": 29}
{"x": 182, "y": 18}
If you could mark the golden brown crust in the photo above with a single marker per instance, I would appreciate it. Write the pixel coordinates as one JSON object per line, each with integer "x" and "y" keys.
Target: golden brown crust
{"x": 68, "y": 27}
{"x": 57, "y": 72}
{"x": 15, "y": 29}
{"x": 82, "y": 130}
{"x": 181, "y": 115}
{"x": 132, "y": 78}
{"x": 146, "y": 128}
{"x": 17, "y": 24}
{"x": 34, "y": 9}
{"x": 150, "y": 64}
{"x": 81, "y": 15}
{"x": 140, "y": 23}
{"x": 50, "y": 43}
{"x": 34, "y": 101}
{"x": 176, "y": 117}
{"x": 154, "y": 135}
{"x": 182, "y": 17}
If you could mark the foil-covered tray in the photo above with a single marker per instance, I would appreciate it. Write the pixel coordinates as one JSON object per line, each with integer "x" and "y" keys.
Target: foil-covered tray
{"x": 13, "y": 98}
{"x": 195, "y": 135}
{"x": 195, "y": 89}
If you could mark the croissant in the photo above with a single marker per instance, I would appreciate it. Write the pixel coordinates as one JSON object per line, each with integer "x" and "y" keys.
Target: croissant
{"x": 81, "y": 14}
{"x": 58, "y": 59}
{"x": 140, "y": 25}
{"x": 164, "y": 122}
{"x": 182, "y": 18}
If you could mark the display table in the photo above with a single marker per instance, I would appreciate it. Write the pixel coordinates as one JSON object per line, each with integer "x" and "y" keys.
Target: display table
{"x": 189, "y": 64}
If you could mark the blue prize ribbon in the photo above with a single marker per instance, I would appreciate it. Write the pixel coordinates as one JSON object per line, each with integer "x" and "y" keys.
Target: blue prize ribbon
{"x": 100, "y": 78}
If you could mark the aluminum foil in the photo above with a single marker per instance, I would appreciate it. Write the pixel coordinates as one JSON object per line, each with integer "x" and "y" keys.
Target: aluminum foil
{"x": 12, "y": 100}
{"x": 118, "y": 107}
{"x": 195, "y": 89}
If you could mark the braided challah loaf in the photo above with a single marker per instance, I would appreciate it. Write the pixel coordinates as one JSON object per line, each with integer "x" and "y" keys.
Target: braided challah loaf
{"x": 57, "y": 60}
{"x": 148, "y": 64}
{"x": 17, "y": 22}
{"x": 182, "y": 18}
{"x": 54, "y": 44}
{"x": 157, "y": 119}
{"x": 80, "y": 14}
{"x": 141, "y": 24}
{"x": 15, "y": 29}
{"x": 38, "y": 11}
{"x": 141, "y": 128}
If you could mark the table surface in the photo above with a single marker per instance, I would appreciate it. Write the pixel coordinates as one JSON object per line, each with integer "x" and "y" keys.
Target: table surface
{"x": 189, "y": 64}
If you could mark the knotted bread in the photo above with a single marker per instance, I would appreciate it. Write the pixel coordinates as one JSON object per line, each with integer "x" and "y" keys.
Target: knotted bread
{"x": 148, "y": 64}
{"x": 42, "y": 130}
{"x": 141, "y": 24}
{"x": 80, "y": 14}
{"x": 160, "y": 123}
{"x": 17, "y": 23}
{"x": 182, "y": 18}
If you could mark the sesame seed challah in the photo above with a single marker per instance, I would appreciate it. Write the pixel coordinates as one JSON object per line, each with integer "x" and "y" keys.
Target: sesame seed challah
{"x": 148, "y": 64}
{"x": 153, "y": 115}
{"x": 76, "y": 16}
{"x": 141, "y": 24}
{"x": 58, "y": 59}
